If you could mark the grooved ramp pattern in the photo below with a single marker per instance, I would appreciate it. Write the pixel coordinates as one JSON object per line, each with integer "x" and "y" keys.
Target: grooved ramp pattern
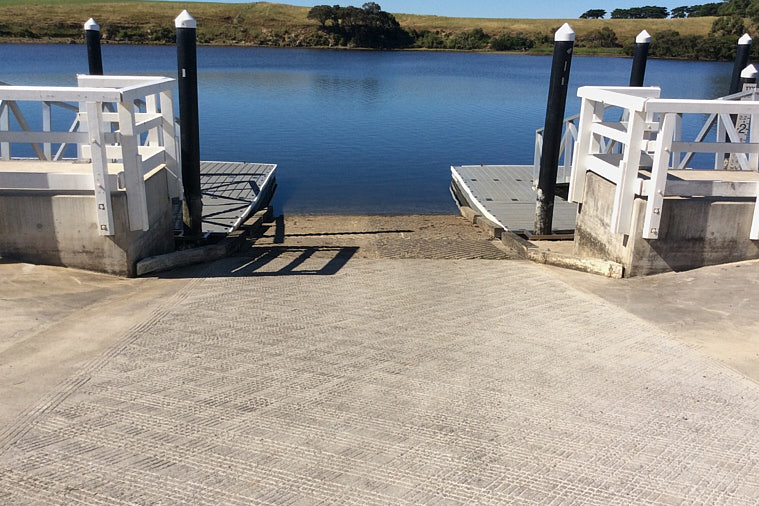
{"x": 391, "y": 382}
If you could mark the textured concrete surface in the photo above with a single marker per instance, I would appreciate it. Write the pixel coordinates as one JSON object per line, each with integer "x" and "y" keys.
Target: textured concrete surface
{"x": 382, "y": 381}
{"x": 712, "y": 309}
{"x": 55, "y": 320}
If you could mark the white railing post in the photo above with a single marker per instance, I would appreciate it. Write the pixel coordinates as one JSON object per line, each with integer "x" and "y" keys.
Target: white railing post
{"x": 134, "y": 181}
{"x": 677, "y": 135}
{"x": 99, "y": 167}
{"x": 659, "y": 177}
{"x": 169, "y": 137}
{"x": 47, "y": 123}
{"x": 719, "y": 157}
{"x": 624, "y": 196}
{"x": 753, "y": 160}
{"x": 151, "y": 107}
{"x": 5, "y": 147}
{"x": 582, "y": 150}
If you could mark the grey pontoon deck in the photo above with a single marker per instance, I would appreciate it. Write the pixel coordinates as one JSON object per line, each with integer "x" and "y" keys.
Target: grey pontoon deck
{"x": 232, "y": 191}
{"x": 503, "y": 194}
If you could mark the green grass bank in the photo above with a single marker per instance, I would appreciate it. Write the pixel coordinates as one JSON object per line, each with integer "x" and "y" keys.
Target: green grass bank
{"x": 280, "y": 25}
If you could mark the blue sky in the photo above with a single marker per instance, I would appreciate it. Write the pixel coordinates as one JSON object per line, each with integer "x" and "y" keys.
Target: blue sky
{"x": 494, "y": 8}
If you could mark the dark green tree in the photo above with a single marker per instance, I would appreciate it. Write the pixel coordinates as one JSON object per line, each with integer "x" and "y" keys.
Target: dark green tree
{"x": 735, "y": 7}
{"x": 752, "y": 12}
{"x": 679, "y": 12}
{"x": 322, "y": 14}
{"x": 471, "y": 40}
{"x": 647, "y": 12}
{"x": 506, "y": 42}
{"x": 702, "y": 10}
{"x": 605, "y": 37}
{"x": 593, "y": 14}
{"x": 371, "y": 8}
{"x": 368, "y": 26}
{"x": 728, "y": 25}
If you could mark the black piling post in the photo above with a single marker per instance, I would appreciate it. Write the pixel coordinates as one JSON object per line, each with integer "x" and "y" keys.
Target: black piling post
{"x": 187, "y": 65}
{"x": 563, "y": 47}
{"x": 741, "y": 61}
{"x": 640, "y": 56}
{"x": 94, "y": 56}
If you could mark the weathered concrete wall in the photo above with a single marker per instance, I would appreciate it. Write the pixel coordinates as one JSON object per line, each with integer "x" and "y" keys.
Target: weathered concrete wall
{"x": 694, "y": 232}
{"x": 61, "y": 229}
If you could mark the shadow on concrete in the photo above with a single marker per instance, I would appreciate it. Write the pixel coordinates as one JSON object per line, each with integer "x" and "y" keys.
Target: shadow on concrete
{"x": 260, "y": 261}
{"x": 293, "y": 260}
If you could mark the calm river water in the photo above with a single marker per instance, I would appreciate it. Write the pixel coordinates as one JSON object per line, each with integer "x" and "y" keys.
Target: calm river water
{"x": 364, "y": 132}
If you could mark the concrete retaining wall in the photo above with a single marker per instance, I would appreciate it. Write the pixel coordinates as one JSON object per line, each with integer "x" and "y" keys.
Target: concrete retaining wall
{"x": 694, "y": 232}
{"x": 45, "y": 227}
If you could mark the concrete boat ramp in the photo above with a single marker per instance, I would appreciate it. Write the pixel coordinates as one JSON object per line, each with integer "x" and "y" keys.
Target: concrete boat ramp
{"x": 378, "y": 381}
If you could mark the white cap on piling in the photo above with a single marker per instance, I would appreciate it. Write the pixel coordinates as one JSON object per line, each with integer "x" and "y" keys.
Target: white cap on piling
{"x": 564, "y": 34}
{"x": 185, "y": 20}
{"x": 643, "y": 38}
{"x": 745, "y": 40}
{"x": 91, "y": 24}
{"x": 749, "y": 72}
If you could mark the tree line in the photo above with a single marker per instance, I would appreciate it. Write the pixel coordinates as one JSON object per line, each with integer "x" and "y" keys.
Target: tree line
{"x": 734, "y": 18}
{"x": 744, "y": 8}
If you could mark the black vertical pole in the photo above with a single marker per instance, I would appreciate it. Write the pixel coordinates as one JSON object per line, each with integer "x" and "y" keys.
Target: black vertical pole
{"x": 187, "y": 65}
{"x": 563, "y": 46}
{"x": 94, "y": 57}
{"x": 640, "y": 56}
{"x": 741, "y": 60}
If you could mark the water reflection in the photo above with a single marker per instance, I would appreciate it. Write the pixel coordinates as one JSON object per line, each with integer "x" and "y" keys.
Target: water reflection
{"x": 366, "y": 90}
{"x": 371, "y": 132}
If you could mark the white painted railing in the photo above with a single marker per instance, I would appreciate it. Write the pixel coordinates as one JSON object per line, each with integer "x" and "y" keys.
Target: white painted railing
{"x": 567, "y": 147}
{"x": 651, "y": 139}
{"x": 566, "y": 150}
{"x": 123, "y": 125}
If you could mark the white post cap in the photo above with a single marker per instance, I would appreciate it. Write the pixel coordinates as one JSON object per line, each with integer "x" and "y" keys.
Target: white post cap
{"x": 643, "y": 38}
{"x": 749, "y": 72}
{"x": 91, "y": 24}
{"x": 745, "y": 40}
{"x": 185, "y": 20}
{"x": 564, "y": 34}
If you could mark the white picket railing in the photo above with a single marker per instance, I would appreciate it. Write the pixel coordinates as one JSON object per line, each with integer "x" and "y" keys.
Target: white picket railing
{"x": 568, "y": 140}
{"x": 651, "y": 137}
{"x": 123, "y": 125}
{"x": 566, "y": 150}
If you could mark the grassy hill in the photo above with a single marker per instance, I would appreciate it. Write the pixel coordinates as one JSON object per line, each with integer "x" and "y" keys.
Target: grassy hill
{"x": 269, "y": 24}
